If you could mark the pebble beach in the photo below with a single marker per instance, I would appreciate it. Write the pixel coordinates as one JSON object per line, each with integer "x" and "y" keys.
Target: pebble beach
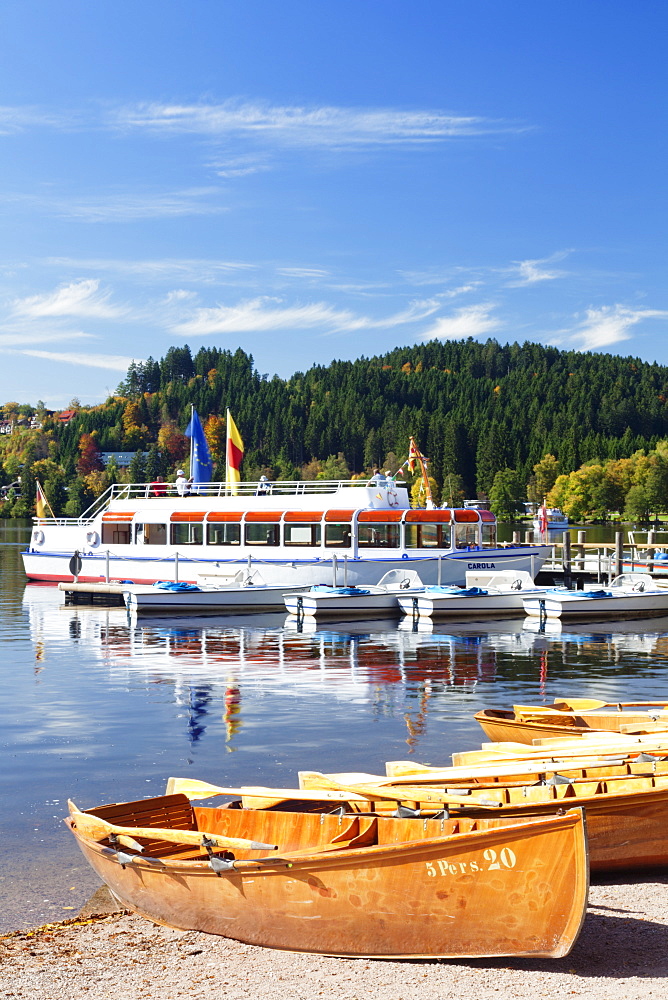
{"x": 106, "y": 953}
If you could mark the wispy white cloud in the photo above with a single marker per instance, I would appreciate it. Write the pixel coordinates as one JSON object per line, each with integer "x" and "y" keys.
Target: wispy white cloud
{"x": 264, "y": 314}
{"x": 196, "y": 270}
{"x": 302, "y": 272}
{"x": 112, "y": 362}
{"x": 310, "y": 126}
{"x": 143, "y": 205}
{"x": 79, "y": 298}
{"x": 469, "y": 321}
{"x": 606, "y": 325}
{"x": 22, "y": 118}
{"x": 530, "y": 272}
{"x": 240, "y": 166}
{"x": 22, "y": 336}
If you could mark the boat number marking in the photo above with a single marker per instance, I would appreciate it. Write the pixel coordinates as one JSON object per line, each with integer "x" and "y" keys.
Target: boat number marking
{"x": 504, "y": 859}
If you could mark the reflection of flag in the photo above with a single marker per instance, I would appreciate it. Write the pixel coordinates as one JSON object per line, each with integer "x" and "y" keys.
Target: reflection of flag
{"x": 414, "y": 455}
{"x": 41, "y": 503}
{"x": 235, "y": 452}
{"x": 201, "y": 466}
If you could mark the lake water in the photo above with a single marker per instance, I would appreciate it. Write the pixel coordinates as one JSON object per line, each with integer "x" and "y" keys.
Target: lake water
{"x": 97, "y": 709}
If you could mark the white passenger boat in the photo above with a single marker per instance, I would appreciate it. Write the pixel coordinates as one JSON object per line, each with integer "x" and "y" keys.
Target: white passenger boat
{"x": 484, "y": 595}
{"x": 631, "y": 595}
{"x": 358, "y": 602}
{"x": 550, "y": 519}
{"x": 299, "y": 534}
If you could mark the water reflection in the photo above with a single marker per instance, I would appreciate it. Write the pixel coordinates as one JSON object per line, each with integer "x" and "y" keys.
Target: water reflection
{"x": 409, "y": 670}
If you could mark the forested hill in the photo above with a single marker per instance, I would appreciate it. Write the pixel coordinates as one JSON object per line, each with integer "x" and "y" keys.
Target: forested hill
{"x": 474, "y": 408}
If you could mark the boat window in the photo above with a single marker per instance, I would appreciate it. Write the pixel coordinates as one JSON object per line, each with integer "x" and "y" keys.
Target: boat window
{"x": 301, "y": 534}
{"x": 488, "y": 534}
{"x": 186, "y": 534}
{"x": 427, "y": 536}
{"x": 150, "y": 534}
{"x": 466, "y": 535}
{"x": 378, "y": 535}
{"x": 115, "y": 534}
{"x": 223, "y": 534}
{"x": 263, "y": 534}
{"x": 337, "y": 535}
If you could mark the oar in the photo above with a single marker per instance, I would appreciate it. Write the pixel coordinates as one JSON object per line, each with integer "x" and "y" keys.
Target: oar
{"x": 100, "y": 829}
{"x": 194, "y": 789}
{"x": 584, "y": 704}
{"x": 381, "y": 793}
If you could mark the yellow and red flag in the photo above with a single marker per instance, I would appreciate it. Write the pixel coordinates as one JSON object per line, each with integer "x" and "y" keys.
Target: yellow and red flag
{"x": 234, "y": 454}
{"x": 414, "y": 455}
{"x": 41, "y": 503}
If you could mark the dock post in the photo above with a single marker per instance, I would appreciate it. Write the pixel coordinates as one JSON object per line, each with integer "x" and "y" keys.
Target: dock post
{"x": 619, "y": 552}
{"x": 651, "y": 538}
{"x": 176, "y": 567}
{"x": 516, "y": 537}
{"x": 528, "y": 537}
{"x": 106, "y": 569}
{"x": 581, "y": 550}
{"x": 567, "y": 559}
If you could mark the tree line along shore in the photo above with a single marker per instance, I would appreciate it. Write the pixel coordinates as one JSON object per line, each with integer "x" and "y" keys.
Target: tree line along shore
{"x": 507, "y": 423}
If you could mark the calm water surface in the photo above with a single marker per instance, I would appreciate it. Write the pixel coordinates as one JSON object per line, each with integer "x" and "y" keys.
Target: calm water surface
{"x": 100, "y": 708}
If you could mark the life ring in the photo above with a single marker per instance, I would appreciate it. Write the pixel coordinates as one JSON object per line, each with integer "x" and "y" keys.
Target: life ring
{"x": 393, "y": 498}
{"x": 639, "y": 586}
{"x": 93, "y": 539}
{"x": 38, "y": 537}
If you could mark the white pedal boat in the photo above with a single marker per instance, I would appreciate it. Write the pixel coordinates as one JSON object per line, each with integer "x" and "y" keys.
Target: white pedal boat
{"x": 359, "y": 602}
{"x": 485, "y": 595}
{"x": 245, "y": 594}
{"x": 631, "y": 595}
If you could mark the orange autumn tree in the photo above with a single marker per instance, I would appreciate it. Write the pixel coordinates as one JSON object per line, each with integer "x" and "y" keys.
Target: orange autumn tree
{"x": 89, "y": 455}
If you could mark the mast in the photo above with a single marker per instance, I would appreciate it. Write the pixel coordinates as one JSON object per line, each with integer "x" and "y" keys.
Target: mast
{"x": 192, "y": 438}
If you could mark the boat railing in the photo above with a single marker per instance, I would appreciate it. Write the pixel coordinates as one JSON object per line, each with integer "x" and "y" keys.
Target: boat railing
{"x": 162, "y": 491}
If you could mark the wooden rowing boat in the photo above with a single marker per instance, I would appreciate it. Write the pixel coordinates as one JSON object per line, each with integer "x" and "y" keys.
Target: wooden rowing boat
{"x": 526, "y": 723}
{"x": 349, "y": 885}
{"x": 626, "y": 802}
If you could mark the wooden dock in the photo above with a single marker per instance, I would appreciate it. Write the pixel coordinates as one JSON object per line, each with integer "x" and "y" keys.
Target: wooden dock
{"x": 108, "y": 595}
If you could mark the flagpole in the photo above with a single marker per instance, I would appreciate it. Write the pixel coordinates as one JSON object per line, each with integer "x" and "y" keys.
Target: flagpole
{"x": 192, "y": 438}
{"x": 227, "y": 452}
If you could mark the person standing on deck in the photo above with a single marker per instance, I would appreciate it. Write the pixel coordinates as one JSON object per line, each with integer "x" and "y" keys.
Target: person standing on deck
{"x": 182, "y": 484}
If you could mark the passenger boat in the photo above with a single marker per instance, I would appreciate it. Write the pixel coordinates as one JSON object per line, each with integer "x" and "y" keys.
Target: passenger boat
{"x": 349, "y": 885}
{"x": 489, "y": 594}
{"x": 526, "y": 723}
{"x": 631, "y": 595}
{"x": 355, "y": 602}
{"x": 550, "y": 519}
{"x": 625, "y": 802}
{"x": 299, "y": 534}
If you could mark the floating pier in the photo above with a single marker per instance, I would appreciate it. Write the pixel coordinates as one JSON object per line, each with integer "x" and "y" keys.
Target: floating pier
{"x": 108, "y": 595}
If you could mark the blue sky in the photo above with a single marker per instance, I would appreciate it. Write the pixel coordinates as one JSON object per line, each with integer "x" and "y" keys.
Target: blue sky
{"x": 320, "y": 179}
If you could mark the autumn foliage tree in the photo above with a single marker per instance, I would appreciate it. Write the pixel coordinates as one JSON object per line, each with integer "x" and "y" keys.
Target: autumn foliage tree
{"x": 89, "y": 456}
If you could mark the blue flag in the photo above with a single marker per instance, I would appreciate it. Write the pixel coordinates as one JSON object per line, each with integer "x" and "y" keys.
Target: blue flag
{"x": 201, "y": 465}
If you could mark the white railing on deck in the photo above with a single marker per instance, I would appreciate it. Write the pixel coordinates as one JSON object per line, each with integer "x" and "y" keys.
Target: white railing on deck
{"x": 146, "y": 491}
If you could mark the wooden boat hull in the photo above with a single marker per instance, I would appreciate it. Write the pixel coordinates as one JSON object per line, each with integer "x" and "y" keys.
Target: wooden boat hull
{"x": 493, "y": 889}
{"x": 502, "y": 726}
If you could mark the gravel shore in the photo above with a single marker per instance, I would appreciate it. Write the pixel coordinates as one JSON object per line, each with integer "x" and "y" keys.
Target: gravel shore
{"x": 103, "y": 954}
